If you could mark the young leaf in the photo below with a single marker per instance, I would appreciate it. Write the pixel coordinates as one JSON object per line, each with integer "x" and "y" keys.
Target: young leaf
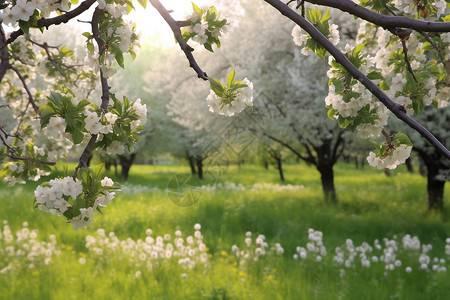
{"x": 143, "y": 3}
{"x": 217, "y": 87}
{"x": 25, "y": 26}
{"x": 230, "y": 78}
{"x": 402, "y": 139}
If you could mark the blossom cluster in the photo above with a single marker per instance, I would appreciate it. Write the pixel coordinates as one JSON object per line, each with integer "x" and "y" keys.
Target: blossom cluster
{"x": 412, "y": 82}
{"x": 152, "y": 251}
{"x": 73, "y": 200}
{"x": 230, "y": 99}
{"x": 398, "y": 156}
{"x": 120, "y": 38}
{"x": 52, "y": 198}
{"x": 117, "y": 10}
{"x": 22, "y": 10}
{"x": 205, "y": 27}
{"x": 22, "y": 247}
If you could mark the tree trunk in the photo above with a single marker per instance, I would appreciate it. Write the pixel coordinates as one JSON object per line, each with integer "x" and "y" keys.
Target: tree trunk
{"x": 280, "y": 167}
{"x": 409, "y": 165}
{"x": 199, "y": 161}
{"x": 435, "y": 189}
{"x": 266, "y": 165}
{"x": 191, "y": 161}
{"x": 126, "y": 163}
{"x": 327, "y": 178}
{"x": 356, "y": 162}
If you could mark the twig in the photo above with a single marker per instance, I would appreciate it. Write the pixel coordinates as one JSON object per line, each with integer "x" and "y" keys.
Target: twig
{"x": 30, "y": 97}
{"x": 46, "y": 47}
{"x": 433, "y": 43}
{"x": 398, "y": 110}
{"x": 387, "y": 136}
{"x": 177, "y": 32}
{"x": 408, "y": 64}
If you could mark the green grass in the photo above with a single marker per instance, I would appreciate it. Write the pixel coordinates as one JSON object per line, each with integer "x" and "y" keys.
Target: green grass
{"x": 371, "y": 206}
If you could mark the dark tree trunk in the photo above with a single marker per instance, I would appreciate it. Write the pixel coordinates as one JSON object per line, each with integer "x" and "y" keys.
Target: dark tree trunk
{"x": 435, "y": 187}
{"x": 409, "y": 165}
{"x": 356, "y": 162}
{"x": 126, "y": 163}
{"x": 266, "y": 165}
{"x": 191, "y": 161}
{"x": 199, "y": 161}
{"x": 280, "y": 167}
{"x": 108, "y": 165}
{"x": 327, "y": 178}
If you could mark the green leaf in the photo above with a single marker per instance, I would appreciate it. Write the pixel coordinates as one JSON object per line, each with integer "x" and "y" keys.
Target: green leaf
{"x": 331, "y": 113}
{"x": 133, "y": 54}
{"x": 82, "y": 104}
{"x": 208, "y": 47}
{"x": 55, "y": 98}
{"x": 216, "y": 86}
{"x": 230, "y": 78}
{"x": 402, "y": 139}
{"x": 143, "y": 3}
{"x": 25, "y": 26}
{"x": 326, "y": 16}
{"x": 357, "y": 49}
{"x": 375, "y": 144}
{"x": 97, "y": 169}
{"x": 375, "y": 75}
{"x": 197, "y": 10}
{"x": 77, "y": 136}
{"x": 90, "y": 47}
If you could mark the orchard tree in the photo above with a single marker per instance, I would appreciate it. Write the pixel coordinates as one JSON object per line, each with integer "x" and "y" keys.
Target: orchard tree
{"x": 437, "y": 166}
{"x": 408, "y": 72}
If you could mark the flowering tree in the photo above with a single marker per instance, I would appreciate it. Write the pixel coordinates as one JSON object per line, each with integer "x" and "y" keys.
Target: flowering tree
{"x": 402, "y": 70}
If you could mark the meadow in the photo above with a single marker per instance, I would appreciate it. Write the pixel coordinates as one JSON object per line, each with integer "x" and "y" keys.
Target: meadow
{"x": 245, "y": 235}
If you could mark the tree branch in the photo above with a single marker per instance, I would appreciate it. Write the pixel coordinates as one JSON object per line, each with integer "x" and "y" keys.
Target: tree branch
{"x": 408, "y": 64}
{"x": 46, "y": 47}
{"x": 43, "y": 22}
{"x": 30, "y": 97}
{"x": 398, "y": 110}
{"x": 101, "y": 46}
{"x": 387, "y": 22}
{"x": 175, "y": 26}
{"x": 105, "y": 91}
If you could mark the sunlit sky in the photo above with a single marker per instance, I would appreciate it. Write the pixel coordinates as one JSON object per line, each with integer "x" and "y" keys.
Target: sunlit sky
{"x": 149, "y": 22}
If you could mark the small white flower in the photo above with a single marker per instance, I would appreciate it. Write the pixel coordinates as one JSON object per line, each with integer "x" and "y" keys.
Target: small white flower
{"x": 107, "y": 182}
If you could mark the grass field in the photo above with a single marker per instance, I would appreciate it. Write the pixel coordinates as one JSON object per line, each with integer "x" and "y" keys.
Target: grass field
{"x": 259, "y": 239}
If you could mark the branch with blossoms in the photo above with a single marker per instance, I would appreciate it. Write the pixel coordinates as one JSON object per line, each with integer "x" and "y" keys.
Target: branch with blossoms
{"x": 340, "y": 58}
{"x": 384, "y": 21}
{"x": 105, "y": 91}
{"x": 47, "y": 22}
